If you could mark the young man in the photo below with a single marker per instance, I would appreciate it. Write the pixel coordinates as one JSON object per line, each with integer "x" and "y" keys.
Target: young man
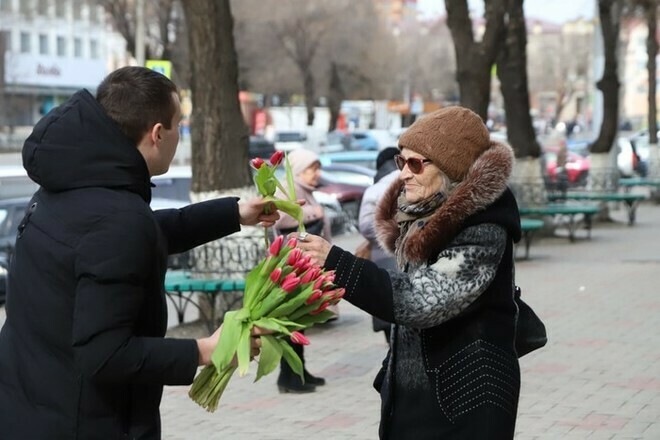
{"x": 82, "y": 353}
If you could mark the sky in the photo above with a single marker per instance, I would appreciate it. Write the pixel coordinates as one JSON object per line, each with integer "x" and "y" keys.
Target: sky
{"x": 556, "y": 11}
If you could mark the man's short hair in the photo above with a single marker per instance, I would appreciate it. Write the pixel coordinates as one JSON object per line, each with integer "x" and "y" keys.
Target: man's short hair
{"x": 137, "y": 98}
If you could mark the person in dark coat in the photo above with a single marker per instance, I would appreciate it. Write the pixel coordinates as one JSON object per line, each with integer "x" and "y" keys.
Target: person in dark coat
{"x": 82, "y": 352}
{"x": 452, "y": 371}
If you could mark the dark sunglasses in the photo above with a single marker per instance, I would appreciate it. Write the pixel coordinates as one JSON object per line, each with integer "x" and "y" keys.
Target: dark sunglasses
{"x": 415, "y": 165}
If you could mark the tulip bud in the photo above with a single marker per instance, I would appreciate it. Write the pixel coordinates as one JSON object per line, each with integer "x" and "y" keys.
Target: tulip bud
{"x": 321, "y": 308}
{"x": 257, "y": 162}
{"x": 276, "y": 246}
{"x": 294, "y": 256}
{"x": 310, "y": 275}
{"x": 299, "y": 338}
{"x": 330, "y": 276}
{"x": 318, "y": 283}
{"x": 275, "y": 275}
{"x": 316, "y": 294}
{"x": 292, "y": 243}
{"x": 289, "y": 285}
{"x": 276, "y": 158}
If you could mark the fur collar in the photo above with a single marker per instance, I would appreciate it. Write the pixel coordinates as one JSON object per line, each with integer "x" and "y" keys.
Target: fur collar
{"x": 485, "y": 182}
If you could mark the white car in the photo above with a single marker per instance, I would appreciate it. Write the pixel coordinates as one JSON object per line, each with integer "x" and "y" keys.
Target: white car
{"x": 633, "y": 154}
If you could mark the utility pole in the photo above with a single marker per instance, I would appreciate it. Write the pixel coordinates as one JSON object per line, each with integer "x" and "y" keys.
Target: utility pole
{"x": 139, "y": 33}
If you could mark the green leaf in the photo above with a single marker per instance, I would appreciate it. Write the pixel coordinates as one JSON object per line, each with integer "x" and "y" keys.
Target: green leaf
{"x": 291, "y": 208}
{"x": 269, "y": 359}
{"x": 310, "y": 320}
{"x": 265, "y": 180}
{"x": 292, "y": 358}
{"x": 253, "y": 282}
{"x": 243, "y": 350}
{"x": 271, "y": 324}
{"x": 289, "y": 179}
{"x": 228, "y": 342}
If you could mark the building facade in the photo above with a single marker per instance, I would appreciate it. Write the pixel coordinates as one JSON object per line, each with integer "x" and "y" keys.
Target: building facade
{"x": 49, "y": 49}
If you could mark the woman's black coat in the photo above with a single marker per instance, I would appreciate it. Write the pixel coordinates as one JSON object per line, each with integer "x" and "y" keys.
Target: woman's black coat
{"x": 82, "y": 353}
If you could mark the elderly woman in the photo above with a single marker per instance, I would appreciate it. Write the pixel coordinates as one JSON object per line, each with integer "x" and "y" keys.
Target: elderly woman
{"x": 452, "y": 370}
{"x": 306, "y": 169}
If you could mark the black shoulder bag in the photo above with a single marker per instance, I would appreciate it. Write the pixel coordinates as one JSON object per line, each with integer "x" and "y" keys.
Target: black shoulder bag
{"x": 530, "y": 330}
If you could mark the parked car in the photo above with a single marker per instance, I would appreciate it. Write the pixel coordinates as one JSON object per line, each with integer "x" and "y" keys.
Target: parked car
{"x": 290, "y": 140}
{"x": 348, "y": 173}
{"x": 577, "y": 168}
{"x": 363, "y": 140}
{"x": 12, "y": 212}
{"x": 260, "y": 147}
{"x": 14, "y": 182}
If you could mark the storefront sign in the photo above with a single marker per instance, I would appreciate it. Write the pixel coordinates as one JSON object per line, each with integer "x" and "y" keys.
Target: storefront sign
{"x": 44, "y": 71}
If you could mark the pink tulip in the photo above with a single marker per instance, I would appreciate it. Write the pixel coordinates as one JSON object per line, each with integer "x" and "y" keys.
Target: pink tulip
{"x": 275, "y": 275}
{"x": 292, "y": 243}
{"x": 276, "y": 246}
{"x": 299, "y": 338}
{"x": 316, "y": 294}
{"x": 276, "y": 158}
{"x": 318, "y": 283}
{"x": 289, "y": 285}
{"x": 330, "y": 276}
{"x": 257, "y": 162}
{"x": 310, "y": 275}
{"x": 321, "y": 308}
{"x": 294, "y": 256}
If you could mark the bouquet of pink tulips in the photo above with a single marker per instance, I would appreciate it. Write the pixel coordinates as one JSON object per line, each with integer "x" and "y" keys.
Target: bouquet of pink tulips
{"x": 284, "y": 293}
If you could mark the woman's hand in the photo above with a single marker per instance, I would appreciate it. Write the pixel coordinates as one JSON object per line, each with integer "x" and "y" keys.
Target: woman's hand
{"x": 313, "y": 245}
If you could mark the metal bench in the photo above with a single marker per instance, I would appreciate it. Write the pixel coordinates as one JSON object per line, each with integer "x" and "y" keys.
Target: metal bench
{"x": 630, "y": 201}
{"x": 529, "y": 227}
{"x": 213, "y": 278}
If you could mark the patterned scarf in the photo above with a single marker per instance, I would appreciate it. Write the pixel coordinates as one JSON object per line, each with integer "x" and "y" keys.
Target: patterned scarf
{"x": 411, "y": 217}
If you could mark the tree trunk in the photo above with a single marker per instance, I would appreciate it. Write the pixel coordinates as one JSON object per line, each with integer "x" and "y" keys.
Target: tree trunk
{"x": 610, "y": 20}
{"x": 308, "y": 85}
{"x": 512, "y": 72}
{"x": 475, "y": 60}
{"x": 335, "y": 96}
{"x": 652, "y": 50}
{"x": 218, "y": 132}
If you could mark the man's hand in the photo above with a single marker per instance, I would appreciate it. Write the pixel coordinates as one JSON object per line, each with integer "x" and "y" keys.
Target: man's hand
{"x": 206, "y": 346}
{"x": 257, "y": 210}
{"x": 313, "y": 245}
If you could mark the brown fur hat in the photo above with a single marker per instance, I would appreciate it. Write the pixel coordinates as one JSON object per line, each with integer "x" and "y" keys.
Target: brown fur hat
{"x": 452, "y": 138}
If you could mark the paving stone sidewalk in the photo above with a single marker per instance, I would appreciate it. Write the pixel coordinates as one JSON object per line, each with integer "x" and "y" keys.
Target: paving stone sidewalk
{"x": 599, "y": 377}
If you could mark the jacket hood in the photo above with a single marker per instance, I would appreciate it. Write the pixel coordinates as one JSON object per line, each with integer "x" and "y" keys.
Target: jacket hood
{"x": 77, "y": 145}
{"x": 483, "y": 187}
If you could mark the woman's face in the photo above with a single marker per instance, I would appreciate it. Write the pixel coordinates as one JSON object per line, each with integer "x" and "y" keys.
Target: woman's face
{"x": 423, "y": 185}
{"x": 311, "y": 175}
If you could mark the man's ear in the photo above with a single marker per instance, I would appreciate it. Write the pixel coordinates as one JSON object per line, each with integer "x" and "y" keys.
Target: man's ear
{"x": 155, "y": 134}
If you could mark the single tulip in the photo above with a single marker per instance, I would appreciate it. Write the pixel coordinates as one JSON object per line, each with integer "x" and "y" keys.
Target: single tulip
{"x": 292, "y": 243}
{"x": 276, "y": 246}
{"x": 276, "y": 158}
{"x": 318, "y": 283}
{"x": 310, "y": 275}
{"x": 275, "y": 275}
{"x": 289, "y": 285}
{"x": 321, "y": 308}
{"x": 294, "y": 256}
{"x": 257, "y": 162}
{"x": 316, "y": 294}
{"x": 299, "y": 338}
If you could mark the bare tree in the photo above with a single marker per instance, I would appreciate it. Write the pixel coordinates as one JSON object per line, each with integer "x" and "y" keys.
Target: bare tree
{"x": 474, "y": 59}
{"x": 651, "y": 7}
{"x": 219, "y": 135}
{"x": 165, "y": 28}
{"x": 512, "y": 72}
{"x": 610, "y": 22}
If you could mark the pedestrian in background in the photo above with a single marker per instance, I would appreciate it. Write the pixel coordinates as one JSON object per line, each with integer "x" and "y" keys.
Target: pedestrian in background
{"x": 386, "y": 173}
{"x": 306, "y": 169}
{"x": 82, "y": 352}
{"x": 452, "y": 370}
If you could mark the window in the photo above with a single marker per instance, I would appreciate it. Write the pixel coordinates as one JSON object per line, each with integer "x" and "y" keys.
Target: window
{"x": 5, "y": 5}
{"x": 77, "y": 48}
{"x": 94, "y": 49}
{"x": 93, "y": 13}
{"x": 42, "y": 7}
{"x": 77, "y": 9}
{"x": 43, "y": 44}
{"x": 24, "y": 7}
{"x": 60, "y": 8}
{"x": 61, "y": 46}
{"x": 26, "y": 47}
